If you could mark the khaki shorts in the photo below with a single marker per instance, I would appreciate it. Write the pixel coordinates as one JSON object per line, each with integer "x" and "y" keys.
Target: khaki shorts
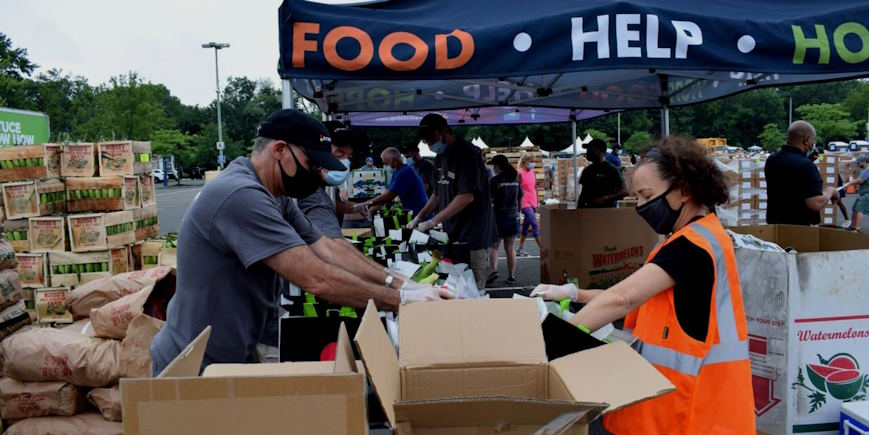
{"x": 479, "y": 265}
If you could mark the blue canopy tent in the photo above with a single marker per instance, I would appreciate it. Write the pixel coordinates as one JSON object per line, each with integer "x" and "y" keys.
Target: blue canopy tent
{"x": 422, "y": 55}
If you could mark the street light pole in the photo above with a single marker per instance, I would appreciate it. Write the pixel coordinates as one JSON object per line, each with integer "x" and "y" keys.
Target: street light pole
{"x": 220, "y": 145}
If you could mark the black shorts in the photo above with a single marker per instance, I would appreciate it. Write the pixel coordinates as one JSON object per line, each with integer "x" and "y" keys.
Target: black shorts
{"x": 508, "y": 227}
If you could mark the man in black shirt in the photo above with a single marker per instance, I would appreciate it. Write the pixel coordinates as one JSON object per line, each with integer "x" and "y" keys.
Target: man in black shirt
{"x": 794, "y": 186}
{"x": 461, "y": 195}
{"x": 422, "y": 166}
{"x": 602, "y": 183}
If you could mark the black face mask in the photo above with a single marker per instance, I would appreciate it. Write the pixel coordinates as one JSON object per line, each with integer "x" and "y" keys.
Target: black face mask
{"x": 658, "y": 213}
{"x": 301, "y": 185}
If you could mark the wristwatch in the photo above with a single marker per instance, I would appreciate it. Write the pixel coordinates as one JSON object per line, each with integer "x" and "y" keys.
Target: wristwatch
{"x": 388, "y": 280}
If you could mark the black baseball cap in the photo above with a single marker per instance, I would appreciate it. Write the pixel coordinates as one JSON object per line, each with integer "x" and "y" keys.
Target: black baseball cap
{"x": 595, "y": 143}
{"x": 499, "y": 160}
{"x": 295, "y": 127}
{"x": 431, "y": 123}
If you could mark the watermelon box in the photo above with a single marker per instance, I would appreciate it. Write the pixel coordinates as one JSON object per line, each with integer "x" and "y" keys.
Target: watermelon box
{"x": 808, "y": 325}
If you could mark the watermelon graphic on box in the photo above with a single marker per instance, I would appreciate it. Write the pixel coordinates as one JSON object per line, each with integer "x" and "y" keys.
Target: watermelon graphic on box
{"x": 839, "y": 376}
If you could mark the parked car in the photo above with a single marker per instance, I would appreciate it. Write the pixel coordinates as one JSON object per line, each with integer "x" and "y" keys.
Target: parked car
{"x": 837, "y": 146}
{"x": 158, "y": 175}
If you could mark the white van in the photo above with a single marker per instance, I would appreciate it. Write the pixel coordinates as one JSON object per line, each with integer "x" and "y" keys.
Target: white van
{"x": 837, "y": 147}
{"x": 858, "y": 145}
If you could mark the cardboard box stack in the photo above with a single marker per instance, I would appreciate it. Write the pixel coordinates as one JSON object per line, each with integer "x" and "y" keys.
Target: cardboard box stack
{"x": 751, "y": 200}
{"x": 70, "y": 215}
{"x": 828, "y": 165}
{"x": 67, "y": 206}
{"x": 562, "y": 180}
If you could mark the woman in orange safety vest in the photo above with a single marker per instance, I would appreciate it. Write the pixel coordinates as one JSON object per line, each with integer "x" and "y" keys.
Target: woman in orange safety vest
{"x": 684, "y": 305}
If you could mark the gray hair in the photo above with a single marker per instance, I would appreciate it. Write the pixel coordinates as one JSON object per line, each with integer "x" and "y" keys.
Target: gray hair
{"x": 392, "y": 153}
{"x": 260, "y": 143}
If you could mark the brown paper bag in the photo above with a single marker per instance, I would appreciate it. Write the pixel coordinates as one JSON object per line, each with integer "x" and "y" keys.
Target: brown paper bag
{"x": 107, "y": 401}
{"x": 7, "y": 256}
{"x": 134, "y": 359}
{"x": 111, "y": 320}
{"x": 34, "y": 399}
{"x": 46, "y": 354}
{"x": 99, "y": 292}
{"x": 10, "y": 288}
{"x": 91, "y": 423}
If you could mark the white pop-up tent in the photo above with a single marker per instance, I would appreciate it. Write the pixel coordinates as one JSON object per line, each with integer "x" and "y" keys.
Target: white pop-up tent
{"x": 478, "y": 142}
{"x": 526, "y": 143}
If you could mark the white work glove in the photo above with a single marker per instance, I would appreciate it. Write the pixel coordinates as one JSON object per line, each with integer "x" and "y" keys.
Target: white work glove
{"x": 423, "y": 293}
{"x": 552, "y": 292}
{"x": 427, "y": 225}
{"x": 413, "y": 223}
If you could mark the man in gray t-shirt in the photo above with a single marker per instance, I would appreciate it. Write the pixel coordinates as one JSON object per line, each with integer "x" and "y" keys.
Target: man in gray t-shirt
{"x": 242, "y": 233}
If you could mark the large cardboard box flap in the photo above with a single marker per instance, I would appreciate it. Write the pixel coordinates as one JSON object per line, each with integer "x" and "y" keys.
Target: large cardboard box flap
{"x": 381, "y": 362}
{"x": 468, "y": 333}
{"x": 500, "y": 415}
{"x": 248, "y": 398}
{"x": 614, "y": 374}
{"x": 805, "y": 239}
{"x": 483, "y": 395}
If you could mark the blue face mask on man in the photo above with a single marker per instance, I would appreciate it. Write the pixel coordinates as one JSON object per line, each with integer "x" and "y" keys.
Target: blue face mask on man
{"x": 337, "y": 178}
{"x": 438, "y": 147}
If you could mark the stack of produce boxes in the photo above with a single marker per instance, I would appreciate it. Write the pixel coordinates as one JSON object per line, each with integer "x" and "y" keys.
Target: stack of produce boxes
{"x": 828, "y": 166}
{"x": 752, "y": 199}
{"x": 72, "y": 212}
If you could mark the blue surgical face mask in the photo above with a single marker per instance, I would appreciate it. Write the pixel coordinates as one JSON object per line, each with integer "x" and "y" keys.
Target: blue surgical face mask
{"x": 438, "y": 147}
{"x": 337, "y": 178}
{"x": 532, "y": 165}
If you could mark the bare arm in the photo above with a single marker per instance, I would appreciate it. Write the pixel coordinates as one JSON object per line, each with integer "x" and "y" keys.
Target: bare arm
{"x": 624, "y": 297}
{"x": 816, "y": 203}
{"x": 458, "y": 204}
{"x": 383, "y": 198}
{"x": 344, "y": 256}
{"x": 301, "y": 266}
{"x": 352, "y": 249}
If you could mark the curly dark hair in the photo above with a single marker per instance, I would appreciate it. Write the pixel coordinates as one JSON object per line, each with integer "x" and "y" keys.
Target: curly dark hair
{"x": 683, "y": 162}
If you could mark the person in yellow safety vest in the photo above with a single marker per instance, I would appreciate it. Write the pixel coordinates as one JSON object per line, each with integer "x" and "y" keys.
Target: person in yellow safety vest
{"x": 684, "y": 305}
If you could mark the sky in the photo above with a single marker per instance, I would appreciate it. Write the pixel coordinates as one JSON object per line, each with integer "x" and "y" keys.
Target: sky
{"x": 160, "y": 39}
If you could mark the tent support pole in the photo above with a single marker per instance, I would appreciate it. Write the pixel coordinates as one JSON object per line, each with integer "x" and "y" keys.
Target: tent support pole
{"x": 286, "y": 94}
{"x": 575, "y": 179}
{"x": 665, "y": 121}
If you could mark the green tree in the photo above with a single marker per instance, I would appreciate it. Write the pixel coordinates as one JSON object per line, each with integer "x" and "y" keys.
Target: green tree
{"x": 771, "y": 137}
{"x": 126, "y": 108}
{"x": 597, "y": 134}
{"x": 638, "y": 142}
{"x": 13, "y": 61}
{"x": 174, "y": 142}
{"x": 831, "y": 122}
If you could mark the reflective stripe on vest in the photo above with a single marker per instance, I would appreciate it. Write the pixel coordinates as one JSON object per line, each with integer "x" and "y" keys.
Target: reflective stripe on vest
{"x": 729, "y": 348}
{"x": 689, "y": 364}
{"x": 723, "y": 302}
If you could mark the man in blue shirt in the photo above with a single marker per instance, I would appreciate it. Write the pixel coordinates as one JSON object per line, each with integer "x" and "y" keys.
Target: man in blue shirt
{"x": 405, "y": 184}
{"x": 613, "y": 157}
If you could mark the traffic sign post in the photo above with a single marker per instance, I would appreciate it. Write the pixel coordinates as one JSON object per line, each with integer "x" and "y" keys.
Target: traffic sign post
{"x": 221, "y": 160}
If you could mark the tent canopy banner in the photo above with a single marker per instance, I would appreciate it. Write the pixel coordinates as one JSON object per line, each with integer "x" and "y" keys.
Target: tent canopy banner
{"x": 468, "y": 117}
{"x": 419, "y": 55}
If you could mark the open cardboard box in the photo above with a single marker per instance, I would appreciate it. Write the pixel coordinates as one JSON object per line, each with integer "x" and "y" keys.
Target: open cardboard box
{"x": 480, "y": 366}
{"x": 301, "y": 398}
